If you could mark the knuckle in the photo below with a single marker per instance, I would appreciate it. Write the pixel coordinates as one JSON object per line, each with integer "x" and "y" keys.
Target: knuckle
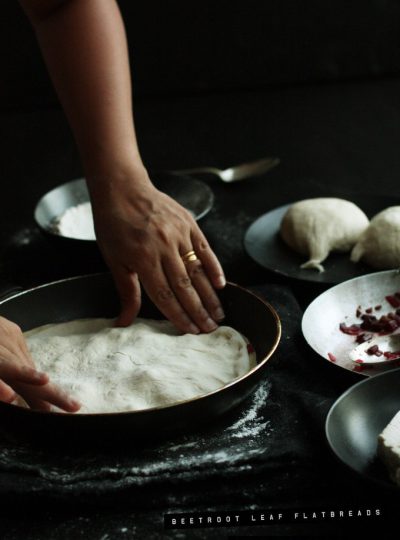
{"x": 164, "y": 235}
{"x": 164, "y": 295}
{"x": 184, "y": 282}
{"x": 203, "y": 245}
{"x": 196, "y": 269}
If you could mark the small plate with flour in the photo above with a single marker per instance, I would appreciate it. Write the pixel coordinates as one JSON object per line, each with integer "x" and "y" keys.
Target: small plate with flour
{"x": 158, "y": 414}
{"x": 264, "y": 244}
{"x": 65, "y": 212}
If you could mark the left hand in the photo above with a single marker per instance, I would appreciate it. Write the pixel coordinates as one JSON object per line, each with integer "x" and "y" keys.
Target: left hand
{"x": 19, "y": 377}
{"x": 144, "y": 236}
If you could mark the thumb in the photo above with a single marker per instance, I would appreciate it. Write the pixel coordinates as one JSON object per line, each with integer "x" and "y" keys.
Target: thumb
{"x": 128, "y": 287}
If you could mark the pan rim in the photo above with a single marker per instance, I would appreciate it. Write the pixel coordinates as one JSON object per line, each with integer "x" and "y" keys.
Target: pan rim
{"x": 144, "y": 412}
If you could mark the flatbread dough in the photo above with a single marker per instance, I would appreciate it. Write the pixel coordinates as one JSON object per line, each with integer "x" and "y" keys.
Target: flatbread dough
{"x": 379, "y": 245}
{"x": 315, "y": 227}
{"x": 148, "y": 364}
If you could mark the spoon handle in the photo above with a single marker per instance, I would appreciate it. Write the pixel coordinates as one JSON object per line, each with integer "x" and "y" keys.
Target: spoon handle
{"x": 199, "y": 170}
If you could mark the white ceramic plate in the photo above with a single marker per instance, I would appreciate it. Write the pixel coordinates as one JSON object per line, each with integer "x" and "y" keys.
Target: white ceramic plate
{"x": 320, "y": 323}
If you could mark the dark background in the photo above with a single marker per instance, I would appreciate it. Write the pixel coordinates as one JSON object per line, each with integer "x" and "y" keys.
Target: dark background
{"x": 313, "y": 82}
{"x": 217, "y": 83}
{"x": 195, "y": 47}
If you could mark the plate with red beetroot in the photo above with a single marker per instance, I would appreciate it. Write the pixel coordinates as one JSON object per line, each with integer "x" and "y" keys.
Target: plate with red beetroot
{"x": 356, "y": 324}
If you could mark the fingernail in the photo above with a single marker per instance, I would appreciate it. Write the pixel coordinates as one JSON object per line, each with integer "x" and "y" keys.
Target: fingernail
{"x": 210, "y": 324}
{"x": 220, "y": 281}
{"x": 193, "y": 329}
{"x": 74, "y": 403}
{"x": 39, "y": 375}
{"x": 219, "y": 314}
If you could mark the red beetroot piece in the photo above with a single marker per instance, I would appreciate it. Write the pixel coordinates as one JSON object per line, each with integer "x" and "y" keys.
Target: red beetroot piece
{"x": 352, "y": 330}
{"x": 331, "y": 357}
{"x": 374, "y": 350}
{"x": 393, "y": 300}
{"x": 362, "y": 338}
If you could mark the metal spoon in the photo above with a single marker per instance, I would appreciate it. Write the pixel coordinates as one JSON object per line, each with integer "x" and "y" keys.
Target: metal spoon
{"x": 390, "y": 343}
{"x": 237, "y": 172}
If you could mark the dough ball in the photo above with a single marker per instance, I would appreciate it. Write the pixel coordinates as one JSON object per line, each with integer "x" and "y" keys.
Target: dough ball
{"x": 315, "y": 227}
{"x": 379, "y": 245}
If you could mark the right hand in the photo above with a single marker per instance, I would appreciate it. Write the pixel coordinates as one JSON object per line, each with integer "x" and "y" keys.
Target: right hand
{"x": 144, "y": 235}
{"x": 18, "y": 375}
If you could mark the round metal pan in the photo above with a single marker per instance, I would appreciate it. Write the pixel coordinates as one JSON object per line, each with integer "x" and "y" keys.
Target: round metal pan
{"x": 192, "y": 194}
{"x": 358, "y": 417}
{"x": 95, "y": 296}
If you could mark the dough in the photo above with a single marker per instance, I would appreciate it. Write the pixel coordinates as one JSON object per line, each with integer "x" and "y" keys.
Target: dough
{"x": 315, "y": 227}
{"x": 379, "y": 245}
{"x": 148, "y": 364}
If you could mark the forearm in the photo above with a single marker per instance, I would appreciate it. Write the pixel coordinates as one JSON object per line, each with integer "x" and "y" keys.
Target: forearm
{"x": 84, "y": 46}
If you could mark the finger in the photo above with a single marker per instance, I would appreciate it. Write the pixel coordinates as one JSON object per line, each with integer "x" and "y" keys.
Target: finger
{"x": 32, "y": 376}
{"x": 54, "y": 395}
{"x": 186, "y": 294}
{"x": 12, "y": 372}
{"x": 160, "y": 292}
{"x": 7, "y": 394}
{"x": 26, "y": 352}
{"x": 211, "y": 264}
{"x": 128, "y": 288}
{"x": 49, "y": 393}
{"x": 205, "y": 290}
{"x": 18, "y": 346}
{"x": 38, "y": 404}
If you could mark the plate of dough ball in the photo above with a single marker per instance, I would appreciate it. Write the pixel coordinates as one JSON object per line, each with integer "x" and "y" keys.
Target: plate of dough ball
{"x": 327, "y": 239}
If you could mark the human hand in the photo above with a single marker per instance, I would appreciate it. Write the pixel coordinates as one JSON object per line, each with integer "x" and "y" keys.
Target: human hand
{"x": 18, "y": 375}
{"x": 144, "y": 235}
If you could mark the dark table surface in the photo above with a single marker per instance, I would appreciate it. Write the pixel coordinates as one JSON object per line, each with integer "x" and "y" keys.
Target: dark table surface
{"x": 333, "y": 140}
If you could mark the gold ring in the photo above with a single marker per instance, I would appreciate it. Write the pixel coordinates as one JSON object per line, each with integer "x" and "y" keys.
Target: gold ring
{"x": 190, "y": 256}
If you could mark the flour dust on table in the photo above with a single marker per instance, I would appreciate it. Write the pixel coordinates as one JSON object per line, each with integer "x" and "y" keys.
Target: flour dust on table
{"x": 148, "y": 364}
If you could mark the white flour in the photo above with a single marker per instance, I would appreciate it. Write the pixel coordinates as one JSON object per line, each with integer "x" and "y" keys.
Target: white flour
{"x": 145, "y": 365}
{"x": 76, "y": 222}
{"x": 232, "y": 449}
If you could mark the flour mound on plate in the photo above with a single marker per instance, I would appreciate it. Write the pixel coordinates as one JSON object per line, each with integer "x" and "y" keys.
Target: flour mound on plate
{"x": 148, "y": 364}
{"x": 379, "y": 245}
{"x": 315, "y": 227}
{"x": 76, "y": 222}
